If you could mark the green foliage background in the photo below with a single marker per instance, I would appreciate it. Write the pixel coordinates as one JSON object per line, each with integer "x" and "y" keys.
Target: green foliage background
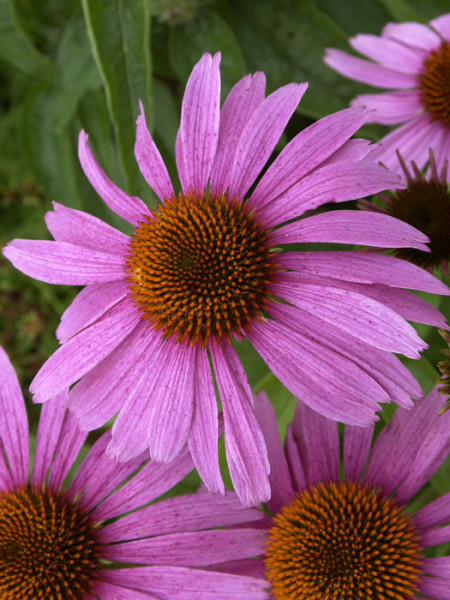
{"x": 85, "y": 64}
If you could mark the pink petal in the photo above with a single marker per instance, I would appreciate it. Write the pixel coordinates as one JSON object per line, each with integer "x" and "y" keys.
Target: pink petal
{"x": 63, "y": 263}
{"x": 415, "y": 35}
{"x": 364, "y": 267}
{"x": 199, "y": 127}
{"x": 263, "y": 130}
{"x": 392, "y": 108}
{"x": 335, "y": 182}
{"x": 436, "y": 536}
{"x": 81, "y": 229}
{"x": 442, "y": 25}
{"x": 279, "y": 478}
{"x": 237, "y": 109}
{"x": 88, "y": 306}
{"x": 389, "y": 53}
{"x": 130, "y": 208}
{"x": 353, "y": 227}
{"x": 368, "y": 72}
{"x": 305, "y": 152}
{"x": 244, "y": 443}
{"x": 295, "y": 464}
{"x": 434, "y": 514}
{"x": 82, "y": 352}
{"x": 355, "y": 314}
{"x": 204, "y": 433}
{"x": 351, "y": 150}
{"x": 317, "y": 441}
{"x": 436, "y": 587}
{"x": 181, "y": 583}
{"x": 181, "y": 513}
{"x": 14, "y": 435}
{"x": 197, "y": 549}
{"x": 118, "y": 592}
{"x": 357, "y": 442}
{"x": 150, "y": 161}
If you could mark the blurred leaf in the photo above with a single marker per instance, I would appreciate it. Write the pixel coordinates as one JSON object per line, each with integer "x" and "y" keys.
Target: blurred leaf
{"x": 119, "y": 32}
{"x": 77, "y": 73}
{"x": 207, "y": 32}
{"x": 401, "y": 10}
{"x": 51, "y": 154}
{"x": 423, "y": 371}
{"x": 18, "y": 50}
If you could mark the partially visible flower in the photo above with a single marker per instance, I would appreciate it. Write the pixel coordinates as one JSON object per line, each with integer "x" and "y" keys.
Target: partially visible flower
{"x": 425, "y": 204}
{"x": 344, "y": 528}
{"x": 96, "y": 537}
{"x": 413, "y": 60}
{"x": 151, "y": 336}
{"x": 444, "y": 368}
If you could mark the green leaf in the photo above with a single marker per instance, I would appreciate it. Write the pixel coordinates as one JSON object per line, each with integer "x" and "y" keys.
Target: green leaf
{"x": 17, "y": 49}
{"x": 400, "y": 10}
{"x": 119, "y": 32}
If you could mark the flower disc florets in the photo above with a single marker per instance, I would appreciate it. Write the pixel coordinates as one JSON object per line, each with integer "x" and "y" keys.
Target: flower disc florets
{"x": 435, "y": 84}
{"x": 48, "y": 547}
{"x": 200, "y": 267}
{"x": 342, "y": 541}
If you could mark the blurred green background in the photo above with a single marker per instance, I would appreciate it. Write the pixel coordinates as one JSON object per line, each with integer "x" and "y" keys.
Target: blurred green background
{"x": 73, "y": 64}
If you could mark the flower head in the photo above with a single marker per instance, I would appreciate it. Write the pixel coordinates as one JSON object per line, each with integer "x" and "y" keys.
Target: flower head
{"x": 413, "y": 60}
{"x": 98, "y": 536}
{"x": 154, "y": 327}
{"x": 425, "y": 204}
{"x": 345, "y": 529}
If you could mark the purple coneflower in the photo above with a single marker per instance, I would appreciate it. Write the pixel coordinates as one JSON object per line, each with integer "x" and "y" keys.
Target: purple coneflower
{"x": 413, "y": 60}
{"x": 349, "y": 530}
{"x": 98, "y": 538}
{"x": 425, "y": 204}
{"x": 151, "y": 334}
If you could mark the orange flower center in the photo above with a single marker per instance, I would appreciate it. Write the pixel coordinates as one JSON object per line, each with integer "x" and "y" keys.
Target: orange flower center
{"x": 434, "y": 84}
{"x": 342, "y": 541}
{"x": 48, "y": 547}
{"x": 200, "y": 267}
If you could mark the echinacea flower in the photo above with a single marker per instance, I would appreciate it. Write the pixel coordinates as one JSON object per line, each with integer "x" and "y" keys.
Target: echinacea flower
{"x": 412, "y": 60}
{"x": 99, "y": 538}
{"x": 151, "y": 334}
{"x": 425, "y": 204}
{"x": 347, "y": 529}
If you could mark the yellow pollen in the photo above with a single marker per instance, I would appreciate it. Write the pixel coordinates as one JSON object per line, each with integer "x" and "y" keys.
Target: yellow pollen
{"x": 434, "y": 84}
{"x": 342, "y": 541}
{"x": 48, "y": 547}
{"x": 200, "y": 267}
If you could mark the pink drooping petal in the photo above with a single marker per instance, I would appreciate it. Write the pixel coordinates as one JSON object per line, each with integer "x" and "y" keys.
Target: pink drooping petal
{"x": 327, "y": 382}
{"x": 195, "y": 549}
{"x": 63, "y": 263}
{"x": 413, "y": 139}
{"x": 435, "y": 587}
{"x": 353, "y": 227}
{"x": 191, "y": 512}
{"x": 130, "y": 208}
{"x": 383, "y": 367}
{"x": 83, "y": 351}
{"x": 357, "y": 442}
{"x": 204, "y": 433}
{"x": 244, "y": 443}
{"x": 392, "y": 108}
{"x": 305, "y": 152}
{"x": 182, "y": 583}
{"x": 237, "y": 109}
{"x": 352, "y": 150}
{"x": 296, "y": 469}
{"x": 88, "y": 306}
{"x": 199, "y": 126}
{"x": 442, "y": 25}
{"x": 368, "y": 72}
{"x": 152, "y": 481}
{"x": 364, "y": 267}
{"x": 263, "y": 130}
{"x": 150, "y": 161}
{"x": 317, "y": 440}
{"x": 103, "y": 589}
{"x": 389, "y": 53}
{"x": 335, "y": 182}
{"x": 14, "y": 435}
{"x": 172, "y": 400}
{"x": 279, "y": 478}
{"x": 50, "y": 424}
{"x": 82, "y": 229}
{"x": 414, "y": 35}
{"x": 434, "y": 514}
{"x": 434, "y": 537}
{"x": 356, "y": 314}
